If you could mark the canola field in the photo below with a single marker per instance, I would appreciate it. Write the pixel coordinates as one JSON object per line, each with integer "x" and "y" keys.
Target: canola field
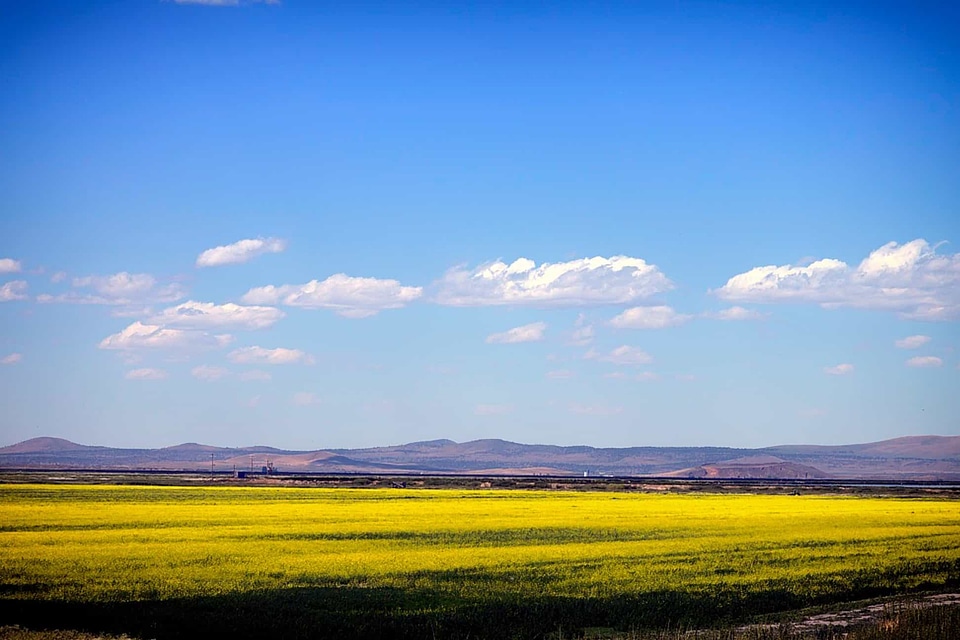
{"x": 166, "y": 562}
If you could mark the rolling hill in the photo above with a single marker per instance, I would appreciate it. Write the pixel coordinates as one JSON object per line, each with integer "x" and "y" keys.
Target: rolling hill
{"x": 911, "y": 457}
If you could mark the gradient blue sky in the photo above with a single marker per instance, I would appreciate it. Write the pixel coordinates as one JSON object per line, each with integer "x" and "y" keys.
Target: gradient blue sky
{"x": 768, "y": 193}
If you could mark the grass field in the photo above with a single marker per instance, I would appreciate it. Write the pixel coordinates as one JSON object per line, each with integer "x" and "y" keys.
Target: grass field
{"x": 169, "y": 562}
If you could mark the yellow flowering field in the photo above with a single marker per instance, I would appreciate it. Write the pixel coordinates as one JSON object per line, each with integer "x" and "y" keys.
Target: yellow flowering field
{"x": 388, "y": 562}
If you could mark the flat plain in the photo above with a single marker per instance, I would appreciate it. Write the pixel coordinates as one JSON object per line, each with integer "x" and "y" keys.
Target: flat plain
{"x": 227, "y": 561}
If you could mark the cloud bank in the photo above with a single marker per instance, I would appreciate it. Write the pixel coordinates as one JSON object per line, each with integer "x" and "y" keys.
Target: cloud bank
{"x": 145, "y": 374}
{"x": 348, "y": 296}
{"x": 912, "y": 342}
{"x": 921, "y": 362}
{"x": 659, "y": 317}
{"x": 260, "y": 355}
{"x": 622, "y": 355}
{"x": 583, "y": 282}
{"x": 527, "y": 333}
{"x": 117, "y": 289}
{"x": 150, "y": 336}
{"x": 14, "y": 290}
{"x": 911, "y": 279}
{"x": 207, "y": 315}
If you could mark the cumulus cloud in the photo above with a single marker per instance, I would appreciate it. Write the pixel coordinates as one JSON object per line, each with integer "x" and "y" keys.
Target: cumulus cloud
{"x": 839, "y": 370}
{"x": 9, "y": 265}
{"x": 117, "y": 289}
{"x": 582, "y": 282}
{"x": 919, "y": 362}
{"x": 912, "y": 342}
{"x": 14, "y": 290}
{"x": 145, "y": 374}
{"x": 492, "y": 409}
{"x": 255, "y": 375}
{"x": 532, "y": 332}
{"x": 149, "y": 336}
{"x": 911, "y": 279}
{"x": 207, "y": 315}
{"x": 559, "y": 374}
{"x": 659, "y": 317}
{"x": 346, "y": 295}
{"x": 209, "y": 373}
{"x": 260, "y": 355}
{"x": 12, "y": 358}
{"x": 59, "y": 276}
{"x": 623, "y": 355}
{"x": 736, "y": 313}
{"x": 643, "y": 376}
{"x": 239, "y": 252}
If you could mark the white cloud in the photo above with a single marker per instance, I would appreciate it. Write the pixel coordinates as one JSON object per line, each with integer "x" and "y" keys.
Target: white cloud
{"x": 527, "y": 333}
{"x": 346, "y": 295}
{"x": 659, "y": 317}
{"x": 583, "y": 333}
{"x": 560, "y": 374}
{"x": 12, "y": 358}
{"x": 582, "y": 337}
{"x": 839, "y": 370}
{"x": 59, "y": 276}
{"x": 305, "y": 398}
{"x": 260, "y": 355}
{"x": 14, "y": 290}
{"x": 206, "y": 372}
{"x": 911, "y": 279}
{"x": 643, "y": 376}
{"x": 736, "y": 313}
{"x": 240, "y": 251}
{"x": 582, "y": 282}
{"x": 145, "y": 374}
{"x": 9, "y": 265}
{"x": 924, "y": 361}
{"x": 595, "y": 410}
{"x": 255, "y": 375}
{"x": 205, "y": 315}
{"x": 148, "y": 336}
{"x": 492, "y": 409}
{"x": 118, "y": 289}
{"x": 912, "y": 342}
{"x": 623, "y": 355}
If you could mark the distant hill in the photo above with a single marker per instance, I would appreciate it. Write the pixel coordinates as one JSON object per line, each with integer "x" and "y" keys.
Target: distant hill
{"x": 911, "y": 457}
{"x": 752, "y": 467}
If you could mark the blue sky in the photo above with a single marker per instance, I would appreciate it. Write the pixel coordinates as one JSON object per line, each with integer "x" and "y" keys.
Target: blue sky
{"x": 309, "y": 225}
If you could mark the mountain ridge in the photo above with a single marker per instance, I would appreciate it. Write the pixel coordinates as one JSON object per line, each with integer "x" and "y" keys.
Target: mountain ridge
{"x": 929, "y": 457}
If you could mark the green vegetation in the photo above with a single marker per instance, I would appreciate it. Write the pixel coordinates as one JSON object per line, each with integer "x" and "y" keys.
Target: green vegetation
{"x": 170, "y": 562}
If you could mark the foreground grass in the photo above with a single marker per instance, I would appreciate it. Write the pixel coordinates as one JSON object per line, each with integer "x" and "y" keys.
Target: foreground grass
{"x": 240, "y": 562}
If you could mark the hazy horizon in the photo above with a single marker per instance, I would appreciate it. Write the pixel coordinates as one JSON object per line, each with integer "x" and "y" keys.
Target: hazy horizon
{"x": 310, "y": 226}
